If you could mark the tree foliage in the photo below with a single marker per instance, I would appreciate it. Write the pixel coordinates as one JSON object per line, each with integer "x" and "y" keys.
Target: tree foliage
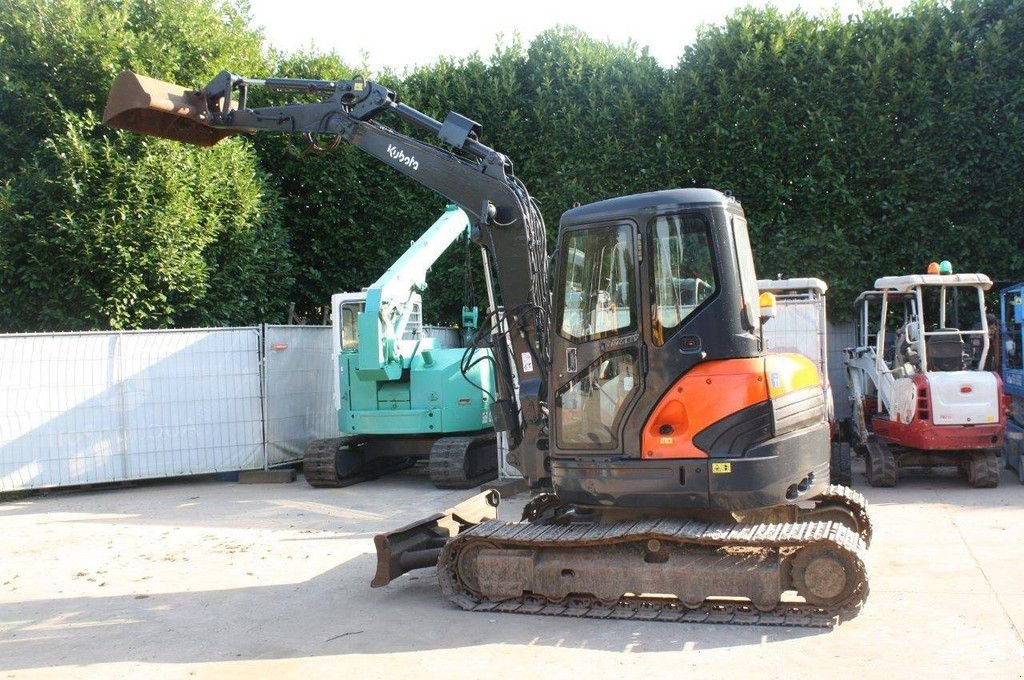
{"x": 103, "y": 229}
{"x": 108, "y": 230}
{"x": 860, "y": 146}
{"x": 868, "y": 146}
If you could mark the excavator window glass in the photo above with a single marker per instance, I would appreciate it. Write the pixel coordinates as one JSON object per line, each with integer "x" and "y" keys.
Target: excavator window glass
{"x": 590, "y": 406}
{"x": 682, "y": 274}
{"x": 598, "y": 271}
{"x": 349, "y": 325}
{"x": 901, "y": 314}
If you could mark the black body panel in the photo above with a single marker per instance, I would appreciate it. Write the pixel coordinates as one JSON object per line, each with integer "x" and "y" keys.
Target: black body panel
{"x": 782, "y": 470}
{"x": 734, "y": 435}
{"x": 738, "y": 435}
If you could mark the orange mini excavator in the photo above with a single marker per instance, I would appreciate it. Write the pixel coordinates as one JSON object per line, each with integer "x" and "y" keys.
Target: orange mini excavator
{"x": 678, "y": 472}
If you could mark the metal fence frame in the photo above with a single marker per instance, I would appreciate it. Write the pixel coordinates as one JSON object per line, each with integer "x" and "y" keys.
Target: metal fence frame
{"x": 100, "y": 406}
{"x": 300, "y": 361}
{"x": 94, "y": 407}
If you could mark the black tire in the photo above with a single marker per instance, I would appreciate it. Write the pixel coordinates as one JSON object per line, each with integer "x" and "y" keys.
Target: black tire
{"x": 841, "y": 465}
{"x": 983, "y": 470}
{"x": 881, "y": 464}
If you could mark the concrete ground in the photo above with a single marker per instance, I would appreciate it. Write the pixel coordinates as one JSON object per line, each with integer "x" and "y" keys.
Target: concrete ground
{"x": 213, "y": 579}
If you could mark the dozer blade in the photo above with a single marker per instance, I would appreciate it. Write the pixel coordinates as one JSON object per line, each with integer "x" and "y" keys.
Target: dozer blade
{"x": 418, "y": 545}
{"x": 153, "y": 107}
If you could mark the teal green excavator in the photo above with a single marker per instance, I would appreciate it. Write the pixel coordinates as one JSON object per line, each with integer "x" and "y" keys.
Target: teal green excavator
{"x": 401, "y": 394}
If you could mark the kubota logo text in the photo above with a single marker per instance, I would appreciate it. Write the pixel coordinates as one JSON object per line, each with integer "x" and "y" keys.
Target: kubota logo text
{"x": 400, "y": 156}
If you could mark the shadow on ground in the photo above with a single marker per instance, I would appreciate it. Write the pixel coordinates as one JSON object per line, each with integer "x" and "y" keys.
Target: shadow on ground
{"x": 334, "y": 612}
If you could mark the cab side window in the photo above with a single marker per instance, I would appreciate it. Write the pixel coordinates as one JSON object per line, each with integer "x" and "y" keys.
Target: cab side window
{"x": 682, "y": 271}
{"x": 599, "y": 271}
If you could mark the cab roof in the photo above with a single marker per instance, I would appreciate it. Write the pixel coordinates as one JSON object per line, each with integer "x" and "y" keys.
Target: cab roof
{"x": 907, "y": 283}
{"x": 776, "y": 285}
{"x": 652, "y": 202}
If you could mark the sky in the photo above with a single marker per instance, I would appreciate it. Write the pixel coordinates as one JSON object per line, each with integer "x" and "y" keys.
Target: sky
{"x": 401, "y": 34}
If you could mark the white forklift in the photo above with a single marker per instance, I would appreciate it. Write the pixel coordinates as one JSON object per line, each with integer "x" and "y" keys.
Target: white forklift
{"x": 919, "y": 389}
{"x": 800, "y": 325}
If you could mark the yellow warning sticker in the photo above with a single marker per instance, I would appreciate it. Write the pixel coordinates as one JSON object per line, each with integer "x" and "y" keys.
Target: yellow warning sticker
{"x": 666, "y": 440}
{"x": 721, "y": 468}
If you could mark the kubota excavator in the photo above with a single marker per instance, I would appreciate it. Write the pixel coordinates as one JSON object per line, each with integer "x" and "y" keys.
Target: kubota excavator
{"x": 679, "y": 473}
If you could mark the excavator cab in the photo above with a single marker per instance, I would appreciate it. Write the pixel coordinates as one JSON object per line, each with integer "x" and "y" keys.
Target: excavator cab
{"x": 661, "y": 394}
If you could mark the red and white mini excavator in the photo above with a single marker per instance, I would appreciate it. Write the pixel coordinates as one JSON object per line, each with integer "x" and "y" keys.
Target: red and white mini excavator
{"x": 920, "y": 389}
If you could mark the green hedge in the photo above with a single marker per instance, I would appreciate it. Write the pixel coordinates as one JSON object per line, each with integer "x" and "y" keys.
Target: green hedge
{"x": 859, "y": 146}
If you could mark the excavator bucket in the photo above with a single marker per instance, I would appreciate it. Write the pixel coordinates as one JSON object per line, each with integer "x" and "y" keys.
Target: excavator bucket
{"x": 153, "y": 107}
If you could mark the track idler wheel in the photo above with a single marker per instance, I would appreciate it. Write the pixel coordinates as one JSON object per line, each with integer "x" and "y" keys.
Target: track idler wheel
{"x": 823, "y": 576}
{"x": 881, "y": 464}
{"x": 466, "y": 565}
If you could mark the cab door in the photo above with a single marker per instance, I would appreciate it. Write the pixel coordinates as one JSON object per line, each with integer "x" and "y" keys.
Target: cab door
{"x": 597, "y": 372}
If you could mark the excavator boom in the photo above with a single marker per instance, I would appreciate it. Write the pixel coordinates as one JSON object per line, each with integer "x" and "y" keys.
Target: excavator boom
{"x": 506, "y": 222}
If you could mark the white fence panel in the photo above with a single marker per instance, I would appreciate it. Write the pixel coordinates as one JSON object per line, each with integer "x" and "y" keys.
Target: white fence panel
{"x": 59, "y": 417}
{"x": 191, "y": 402}
{"x": 300, "y": 390}
{"x": 85, "y": 408}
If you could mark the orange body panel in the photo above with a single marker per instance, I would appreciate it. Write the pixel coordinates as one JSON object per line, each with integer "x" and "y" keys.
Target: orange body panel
{"x": 708, "y": 393}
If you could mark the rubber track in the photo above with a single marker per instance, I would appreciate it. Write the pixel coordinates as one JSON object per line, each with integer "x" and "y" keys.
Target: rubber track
{"x": 881, "y": 465}
{"x": 318, "y": 461}
{"x": 320, "y": 468}
{"x": 765, "y": 536}
{"x": 985, "y": 471}
{"x": 447, "y": 462}
{"x": 853, "y": 501}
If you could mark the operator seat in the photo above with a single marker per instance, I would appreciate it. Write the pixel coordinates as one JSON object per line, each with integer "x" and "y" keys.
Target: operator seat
{"x": 947, "y": 352}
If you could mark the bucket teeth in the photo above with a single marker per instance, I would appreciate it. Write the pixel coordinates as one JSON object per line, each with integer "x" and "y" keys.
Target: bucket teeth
{"x": 153, "y": 107}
